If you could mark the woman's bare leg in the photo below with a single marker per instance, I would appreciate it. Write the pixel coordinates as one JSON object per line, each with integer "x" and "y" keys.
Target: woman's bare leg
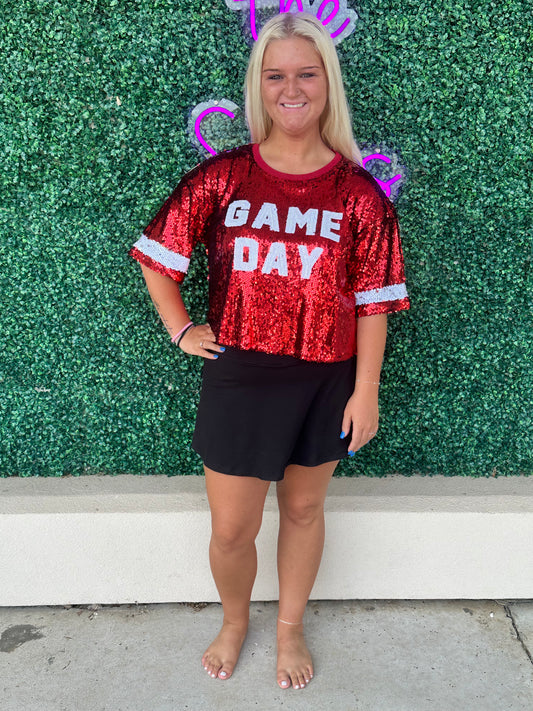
{"x": 236, "y": 505}
{"x": 301, "y": 497}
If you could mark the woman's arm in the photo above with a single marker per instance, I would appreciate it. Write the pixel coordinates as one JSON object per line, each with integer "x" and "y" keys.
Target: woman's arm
{"x": 362, "y": 411}
{"x": 166, "y": 297}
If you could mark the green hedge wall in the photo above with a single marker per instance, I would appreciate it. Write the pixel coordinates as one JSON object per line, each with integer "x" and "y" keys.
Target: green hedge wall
{"x": 96, "y": 99}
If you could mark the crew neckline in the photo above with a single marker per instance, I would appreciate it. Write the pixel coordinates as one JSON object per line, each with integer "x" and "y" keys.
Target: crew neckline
{"x": 293, "y": 176}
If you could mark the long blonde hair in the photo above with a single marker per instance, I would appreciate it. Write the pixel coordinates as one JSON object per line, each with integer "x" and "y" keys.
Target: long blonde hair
{"x": 335, "y": 123}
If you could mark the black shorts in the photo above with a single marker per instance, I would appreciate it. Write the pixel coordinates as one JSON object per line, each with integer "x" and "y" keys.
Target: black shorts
{"x": 260, "y": 412}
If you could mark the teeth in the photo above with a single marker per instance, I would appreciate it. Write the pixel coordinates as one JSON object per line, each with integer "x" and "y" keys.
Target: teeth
{"x": 293, "y": 106}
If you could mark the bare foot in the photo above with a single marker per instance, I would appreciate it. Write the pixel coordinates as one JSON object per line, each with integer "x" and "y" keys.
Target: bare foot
{"x": 295, "y": 666}
{"x": 221, "y": 656}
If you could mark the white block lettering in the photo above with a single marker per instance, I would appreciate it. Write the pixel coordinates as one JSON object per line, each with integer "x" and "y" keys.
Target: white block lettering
{"x": 237, "y": 213}
{"x": 239, "y": 262}
{"x": 267, "y": 215}
{"x": 330, "y": 222}
{"x": 276, "y": 259}
{"x": 307, "y": 219}
{"x": 308, "y": 260}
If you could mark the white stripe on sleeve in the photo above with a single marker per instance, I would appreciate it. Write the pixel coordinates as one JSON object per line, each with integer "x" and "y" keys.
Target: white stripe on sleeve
{"x": 162, "y": 255}
{"x": 376, "y": 296}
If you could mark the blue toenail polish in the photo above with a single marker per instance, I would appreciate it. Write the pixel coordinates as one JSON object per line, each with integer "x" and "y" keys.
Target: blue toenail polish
{"x": 343, "y": 435}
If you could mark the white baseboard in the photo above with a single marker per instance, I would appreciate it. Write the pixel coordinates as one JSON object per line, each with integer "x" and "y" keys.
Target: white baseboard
{"x": 102, "y": 539}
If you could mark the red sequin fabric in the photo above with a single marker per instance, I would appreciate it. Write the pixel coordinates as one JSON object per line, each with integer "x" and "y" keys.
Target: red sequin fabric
{"x": 294, "y": 260}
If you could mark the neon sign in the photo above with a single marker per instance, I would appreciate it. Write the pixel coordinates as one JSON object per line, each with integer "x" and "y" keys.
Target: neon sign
{"x": 226, "y": 108}
{"x": 333, "y": 14}
{"x": 198, "y": 122}
{"x": 218, "y": 125}
{"x": 386, "y": 185}
{"x": 233, "y": 131}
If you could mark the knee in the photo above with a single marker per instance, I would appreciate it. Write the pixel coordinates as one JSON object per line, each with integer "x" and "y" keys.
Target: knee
{"x": 301, "y": 511}
{"x": 229, "y": 536}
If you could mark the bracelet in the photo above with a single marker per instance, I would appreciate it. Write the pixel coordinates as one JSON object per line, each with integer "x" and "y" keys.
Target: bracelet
{"x": 191, "y": 325}
{"x": 176, "y": 336}
{"x": 368, "y": 382}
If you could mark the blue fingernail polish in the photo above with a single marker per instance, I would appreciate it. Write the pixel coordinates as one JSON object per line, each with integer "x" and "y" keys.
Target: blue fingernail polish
{"x": 343, "y": 435}
{"x": 351, "y": 454}
{"x": 223, "y": 349}
{"x": 216, "y": 356}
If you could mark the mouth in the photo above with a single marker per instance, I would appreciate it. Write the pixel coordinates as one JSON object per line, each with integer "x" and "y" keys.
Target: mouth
{"x": 293, "y": 106}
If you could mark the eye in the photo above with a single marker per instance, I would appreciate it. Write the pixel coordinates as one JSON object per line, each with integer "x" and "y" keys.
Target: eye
{"x": 273, "y": 77}
{"x": 307, "y": 75}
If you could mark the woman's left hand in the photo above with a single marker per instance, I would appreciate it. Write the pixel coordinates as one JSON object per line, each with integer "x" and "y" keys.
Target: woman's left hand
{"x": 361, "y": 415}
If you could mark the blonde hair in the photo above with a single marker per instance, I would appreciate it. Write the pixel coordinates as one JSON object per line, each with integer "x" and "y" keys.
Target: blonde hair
{"x": 335, "y": 123}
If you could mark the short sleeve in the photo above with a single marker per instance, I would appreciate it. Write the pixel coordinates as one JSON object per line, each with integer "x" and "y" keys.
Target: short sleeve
{"x": 376, "y": 269}
{"x": 167, "y": 243}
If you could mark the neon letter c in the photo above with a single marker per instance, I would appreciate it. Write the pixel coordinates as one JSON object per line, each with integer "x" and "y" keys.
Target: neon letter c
{"x": 198, "y": 122}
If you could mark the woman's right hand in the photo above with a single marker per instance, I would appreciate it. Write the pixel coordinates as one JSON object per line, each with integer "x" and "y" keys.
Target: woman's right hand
{"x": 200, "y": 341}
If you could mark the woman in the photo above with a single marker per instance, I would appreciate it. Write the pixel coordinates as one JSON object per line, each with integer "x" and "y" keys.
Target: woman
{"x": 304, "y": 264}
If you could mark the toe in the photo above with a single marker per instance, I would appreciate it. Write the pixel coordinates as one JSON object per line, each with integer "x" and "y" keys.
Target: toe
{"x": 284, "y": 682}
{"x": 225, "y": 672}
{"x": 210, "y": 667}
{"x": 299, "y": 682}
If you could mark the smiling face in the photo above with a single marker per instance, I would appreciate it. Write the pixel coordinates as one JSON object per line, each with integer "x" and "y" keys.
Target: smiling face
{"x": 294, "y": 86}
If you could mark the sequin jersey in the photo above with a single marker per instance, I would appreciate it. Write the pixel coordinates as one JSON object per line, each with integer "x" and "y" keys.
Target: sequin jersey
{"x": 294, "y": 260}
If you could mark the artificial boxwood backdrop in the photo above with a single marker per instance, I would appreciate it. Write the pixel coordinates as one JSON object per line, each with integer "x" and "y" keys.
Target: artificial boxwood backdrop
{"x": 96, "y": 100}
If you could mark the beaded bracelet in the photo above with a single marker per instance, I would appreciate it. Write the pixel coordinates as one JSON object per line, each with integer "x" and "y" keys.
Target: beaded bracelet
{"x": 177, "y": 336}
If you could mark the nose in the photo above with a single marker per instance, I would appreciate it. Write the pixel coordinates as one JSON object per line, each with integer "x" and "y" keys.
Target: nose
{"x": 291, "y": 87}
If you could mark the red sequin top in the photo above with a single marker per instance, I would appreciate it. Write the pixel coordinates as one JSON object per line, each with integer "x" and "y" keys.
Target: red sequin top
{"x": 294, "y": 260}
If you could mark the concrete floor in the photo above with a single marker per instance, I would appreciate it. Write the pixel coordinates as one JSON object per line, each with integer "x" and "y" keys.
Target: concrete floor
{"x": 369, "y": 656}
